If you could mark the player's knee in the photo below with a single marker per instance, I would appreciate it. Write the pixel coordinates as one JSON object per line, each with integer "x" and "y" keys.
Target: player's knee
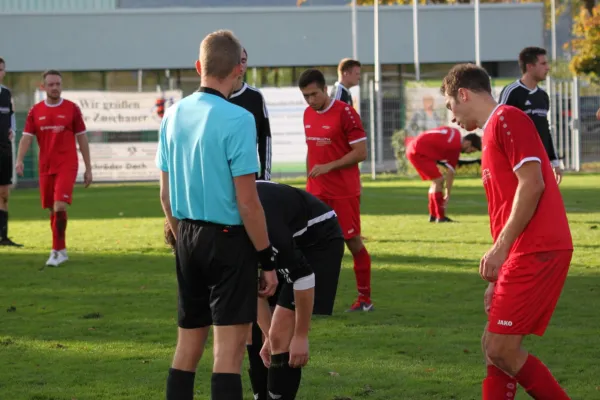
{"x": 355, "y": 244}
{"x": 229, "y": 347}
{"x": 60, "y": 206}
{"x": 437, "y": 185}
{"x": 279, "y": 338}
{"x": 4, "y": 192}
{"x": 499, "y": 350}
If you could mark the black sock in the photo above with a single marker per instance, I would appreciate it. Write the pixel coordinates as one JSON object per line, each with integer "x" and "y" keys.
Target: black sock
{"x": 284, "y": 380}
{"x": 180, "y": 385}
{"x": 226, "y": 387}
{"x": 3, "y": 224}
{"x": 258, "y": 372}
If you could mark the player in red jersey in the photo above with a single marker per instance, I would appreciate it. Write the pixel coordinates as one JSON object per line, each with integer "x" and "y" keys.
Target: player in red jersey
{"x": 528, "y": 264}
{"x": 57, "y": 124}
{"x": 443, "y": 144}
{"x": 336, "y": 144}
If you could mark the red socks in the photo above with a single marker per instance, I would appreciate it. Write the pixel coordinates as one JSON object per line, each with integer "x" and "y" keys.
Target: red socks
{"x": 432, "y": 205}
{"x": 58, "y": 221}
{"x": 362, "y": 270}
{"x": 498, "y": 385}
{"x": 438, "y": 202}
{"x": 538, "y": 382}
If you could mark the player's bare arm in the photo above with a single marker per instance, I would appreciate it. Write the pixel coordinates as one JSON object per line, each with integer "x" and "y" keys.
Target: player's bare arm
{"x": 357, "y": 155}
{"x": 449, "y": 183}
{"x": 529, "y": 190}
{"x": 24, "y": 145}
{"x": 299, "y": 345}
{"x": 264, "y": 318}
{"x": 165, "y": 202}
{"x": 84, "y": 148}
{"x": 253, "y": 217}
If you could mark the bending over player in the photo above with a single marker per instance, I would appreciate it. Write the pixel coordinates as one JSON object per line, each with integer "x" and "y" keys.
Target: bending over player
{"x": 443, "y": 144}
{"x": 309, "y": 240}
{"x": 336, "y": 144}
{"x": 529, "y": 261}
{"x": 58, "y": 126}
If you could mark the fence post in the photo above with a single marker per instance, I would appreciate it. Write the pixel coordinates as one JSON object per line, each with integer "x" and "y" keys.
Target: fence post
{"x": 576, "y": 135}
{"x": 372, "y": 127}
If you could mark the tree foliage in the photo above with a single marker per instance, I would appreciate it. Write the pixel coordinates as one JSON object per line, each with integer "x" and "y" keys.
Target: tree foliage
{"x": 586, "y": 45}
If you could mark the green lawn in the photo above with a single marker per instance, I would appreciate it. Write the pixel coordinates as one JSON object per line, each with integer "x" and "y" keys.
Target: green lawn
{"x": 103, "y": 325}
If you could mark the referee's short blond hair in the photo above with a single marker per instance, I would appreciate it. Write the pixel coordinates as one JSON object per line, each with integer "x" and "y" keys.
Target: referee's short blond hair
{"x": 220, "y": 53}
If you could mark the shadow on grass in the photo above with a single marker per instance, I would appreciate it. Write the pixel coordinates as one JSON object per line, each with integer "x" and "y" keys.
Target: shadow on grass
{"x": 106, "y": 328}
{"x": 407, "y": 197}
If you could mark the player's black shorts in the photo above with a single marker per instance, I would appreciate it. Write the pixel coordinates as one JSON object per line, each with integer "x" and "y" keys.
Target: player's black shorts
{"x": 217, "y": 269}
{"x": 6, "y": 166}
{"x": 325, "y": 259}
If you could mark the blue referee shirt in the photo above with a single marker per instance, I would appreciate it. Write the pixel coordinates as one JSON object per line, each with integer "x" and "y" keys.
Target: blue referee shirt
{"x": 205, "y": 141}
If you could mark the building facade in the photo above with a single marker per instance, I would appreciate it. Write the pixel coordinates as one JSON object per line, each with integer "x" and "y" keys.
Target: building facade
{"x": 103, "y": 45}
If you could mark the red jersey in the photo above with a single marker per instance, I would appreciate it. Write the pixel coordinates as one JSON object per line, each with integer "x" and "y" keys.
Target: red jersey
{"x": 509, "y": 140}
{"x": 329, "y": 136}
{"x": 55, "y": 127}
{"x": 440, "y": 144}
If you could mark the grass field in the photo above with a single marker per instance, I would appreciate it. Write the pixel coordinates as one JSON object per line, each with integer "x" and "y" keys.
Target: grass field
{"x": 103, "y": 325}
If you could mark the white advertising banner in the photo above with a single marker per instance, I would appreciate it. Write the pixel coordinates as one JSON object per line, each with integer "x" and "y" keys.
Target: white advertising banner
{"x": 117, "y": 162}
{"x": 120, "y": 111}
{"x": 286, "y": 107}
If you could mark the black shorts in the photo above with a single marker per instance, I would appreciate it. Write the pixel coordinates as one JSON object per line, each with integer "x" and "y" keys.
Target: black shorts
{"x": 325, "y": 259}
{"x": 6, "y": 166}
{"x": 217, "y": 269}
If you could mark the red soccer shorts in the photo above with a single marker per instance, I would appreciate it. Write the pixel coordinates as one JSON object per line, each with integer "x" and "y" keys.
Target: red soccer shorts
{"x": 348, "y": 214}
{"x": 527, "y": 291}
{"x": 426, "y": 167}
{"x": 57, "y": 187}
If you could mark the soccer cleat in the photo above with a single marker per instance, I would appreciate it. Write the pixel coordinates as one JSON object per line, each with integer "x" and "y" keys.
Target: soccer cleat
{"x": 61, "y": 257}
{"x": 445, "y": 219}
{"x": 57, "y": 258}
{"x": 361, "y": 305}
{"x": 432, "y": 218}
{"x": 52, "y": 261}
{"x": 8, "y": 242}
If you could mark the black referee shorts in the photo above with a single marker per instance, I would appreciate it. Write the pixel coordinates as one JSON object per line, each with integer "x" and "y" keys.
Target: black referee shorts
{"x": 325, "y": 259}
{"x": 6, "y": 166}
{"x": 217, "y": 269}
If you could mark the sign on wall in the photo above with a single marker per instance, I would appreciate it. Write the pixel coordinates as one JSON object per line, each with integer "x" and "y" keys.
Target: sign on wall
{"x": 120, "y": 111}
{"x": 122, "y": 162}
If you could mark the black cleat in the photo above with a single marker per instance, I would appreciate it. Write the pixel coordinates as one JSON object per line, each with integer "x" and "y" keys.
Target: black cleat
{"x": 9, "y": 243}
{"x": 445, "y": 219}
{"x": 432, "y": 218}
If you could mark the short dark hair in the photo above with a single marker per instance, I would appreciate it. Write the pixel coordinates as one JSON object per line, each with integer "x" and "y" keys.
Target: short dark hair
{"x": 475, "y": 140}
{"x": 346, "y": 64}
{"x": 529, "y": 55}
{"x": 51, "y": 72}
{"x": 2, "y": 61}
{"x": 311, "y": 75}
{"x": 466, "y": 76}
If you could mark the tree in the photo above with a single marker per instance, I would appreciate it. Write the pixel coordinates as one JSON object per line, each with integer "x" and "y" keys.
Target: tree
{"x": 586, "y": 44}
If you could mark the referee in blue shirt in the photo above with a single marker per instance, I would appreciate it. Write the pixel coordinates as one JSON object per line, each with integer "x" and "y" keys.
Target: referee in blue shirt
{"x": 207, "y": 157}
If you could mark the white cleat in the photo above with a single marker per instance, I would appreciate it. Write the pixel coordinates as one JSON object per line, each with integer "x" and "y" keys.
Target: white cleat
{"x": 57, "y": 258}
{"x": 61, "y": 257}
{"x": 53, "y": 258}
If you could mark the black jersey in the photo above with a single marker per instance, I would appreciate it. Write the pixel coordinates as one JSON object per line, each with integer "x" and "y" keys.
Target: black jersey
{"x": 252, "y": 100}
{"x": 307, "y": 219}
{"x": 296, "y": 220}
{"x": 7, "y": 117}
{"x": 536, "y": 104}
{"x": 339, "y": 92}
